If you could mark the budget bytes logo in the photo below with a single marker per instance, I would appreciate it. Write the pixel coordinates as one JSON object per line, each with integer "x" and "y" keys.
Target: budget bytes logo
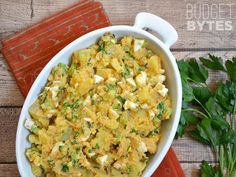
{"x": 209, "y": 17}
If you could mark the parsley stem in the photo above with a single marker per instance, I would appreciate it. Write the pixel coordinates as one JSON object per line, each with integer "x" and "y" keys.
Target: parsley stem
{"x": 198, "y": 83}
{"x": 209, "y": 115}
{"x": 195, "y": 110}
{"x": 221, "y": 159}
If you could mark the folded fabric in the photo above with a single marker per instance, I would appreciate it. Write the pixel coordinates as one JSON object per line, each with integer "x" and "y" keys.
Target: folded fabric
{"x": 169, "y": 167}
{"x": 28, "y": 51}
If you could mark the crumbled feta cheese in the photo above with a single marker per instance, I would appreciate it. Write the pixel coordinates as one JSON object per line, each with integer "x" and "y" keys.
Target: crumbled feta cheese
{"x": 117, "y": 166}
{"x": 161, "y": 78}
{"x": 131, "y": 72}
{"x": 92, "y": 153}
{"x": 131, "y": 82}
{"x": 113, "y": 114}
{"x": 102, "y": 159}
{"x": 151, "y": 114}
{"x": 51, "y": 112}
{"x": 87, "y": 101}
{"x": 56, "y": 82}
{"x": 145, "y": 106}
{"x": 163, "y": 92}
{"x": 111, "y": 80}
{"x": 159, "y": 86}
{"x": 29, "y": 123}
{"x": 162, "y": 71}
{"x": 138, "y": 43}
{"x": 95, "y": 96}
{"x": 54, "y": 90}
{"x": 55, "y": 148}
{"x": 85, "y": 138}
{"x": 142, "y": 147}
{"x": 113, "y": 41}
{"x": 130, "y": 105}
{"x": 92, "y": 60}
{"x": 87, "y": 119}
{"x": 120, "y": 82}
{"x": 141, "y": 79}
{"x": 98, "y": 79}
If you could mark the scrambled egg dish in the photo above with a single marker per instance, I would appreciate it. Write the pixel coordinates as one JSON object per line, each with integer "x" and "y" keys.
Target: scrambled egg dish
{"x": 101, "y": 115}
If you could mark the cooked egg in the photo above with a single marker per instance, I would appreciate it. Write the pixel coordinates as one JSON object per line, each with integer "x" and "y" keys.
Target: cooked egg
{"x": 138, "y": 43}
{"x": 131, "y": 82}
{"x": 163, "y": 92}
{"x": 130, "y": 105}
{"x": 102, "y": 159}
{"x": 29, "y": 123}
{"x": 142, "y": 147}
{"x": 98, "y": 79}
{"x": 141, "y": 79}
{"x": 113, "y": 114}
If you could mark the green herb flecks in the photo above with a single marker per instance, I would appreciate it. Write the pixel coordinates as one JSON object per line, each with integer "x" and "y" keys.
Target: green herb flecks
{"x": 126, "y": 72}
{"x": 64, "y": 168}
{"x": 121, "y": 99}
{"x": 110, "y": 86}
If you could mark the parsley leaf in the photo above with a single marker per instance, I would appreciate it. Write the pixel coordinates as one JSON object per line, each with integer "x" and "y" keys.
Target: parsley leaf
{"x": 231, "y": 68}
{"x": 197, "y": 72}
{"x": 211, "y": 113}
{"x": 183, "y": 67}
{"x": 187, "y": 90}
{"x": 214, "y": 62}
{"x": 214, "y": 108}
{"x": 202, "y": 93}
{"x": 206, "y": 133}
{"x": 225, "y": 94}
{"x": 186, "y": 118}
{"x": 208, "y": 171}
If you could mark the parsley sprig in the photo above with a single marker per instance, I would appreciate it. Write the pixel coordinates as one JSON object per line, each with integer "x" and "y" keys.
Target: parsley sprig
{"x": 211, "y": 111}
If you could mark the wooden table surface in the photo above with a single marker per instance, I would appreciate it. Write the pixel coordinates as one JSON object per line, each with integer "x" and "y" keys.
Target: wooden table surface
{"x": 16, "y": 15}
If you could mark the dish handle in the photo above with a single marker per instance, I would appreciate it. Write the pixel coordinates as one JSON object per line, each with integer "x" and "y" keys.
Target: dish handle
{"x": 158, "y": 25}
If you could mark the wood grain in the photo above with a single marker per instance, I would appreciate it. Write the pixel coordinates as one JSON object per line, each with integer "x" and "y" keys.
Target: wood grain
{"x": 18, "y": 14}
{"x": 8, "y": 124}
{"x": 10, "y": 170}
{"x": 9, "y": 91}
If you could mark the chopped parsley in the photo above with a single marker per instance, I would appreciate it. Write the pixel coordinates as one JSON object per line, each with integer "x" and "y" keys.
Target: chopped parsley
{"x": 110, "y": 86}
{"x": 161, "y": 108}
{"x": 97, "y": 146}
{"x": 121, "y": 99}
{"x": 133, "y": 130}
{"x": 64, "y": 168}
{"x": 126, "y": 72}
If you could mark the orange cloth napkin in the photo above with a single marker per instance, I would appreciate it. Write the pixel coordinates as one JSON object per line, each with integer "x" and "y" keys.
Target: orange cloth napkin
{"x": 28, "y": 51}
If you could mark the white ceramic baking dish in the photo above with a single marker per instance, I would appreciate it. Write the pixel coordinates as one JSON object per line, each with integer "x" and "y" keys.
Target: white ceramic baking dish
{"x": 162, "y": 47}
